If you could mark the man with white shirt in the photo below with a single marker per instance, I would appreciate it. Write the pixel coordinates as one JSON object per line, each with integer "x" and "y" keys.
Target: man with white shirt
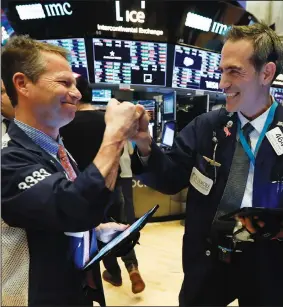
{"x": 226, "y": 160}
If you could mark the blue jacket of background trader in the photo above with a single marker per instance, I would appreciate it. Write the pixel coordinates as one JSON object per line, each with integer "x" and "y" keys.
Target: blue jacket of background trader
{"x": 170, "y": 173}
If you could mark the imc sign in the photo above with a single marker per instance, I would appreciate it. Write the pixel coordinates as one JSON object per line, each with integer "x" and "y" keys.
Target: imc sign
{"x": 40, "y": 11}
{"x": 205, "y": 24}
{"x": 136, "y": 16}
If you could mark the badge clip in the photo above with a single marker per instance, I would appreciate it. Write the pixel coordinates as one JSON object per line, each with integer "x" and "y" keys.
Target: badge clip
{"x": 212, "y": 162}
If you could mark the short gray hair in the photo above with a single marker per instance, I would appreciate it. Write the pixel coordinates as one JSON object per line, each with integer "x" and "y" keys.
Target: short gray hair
{"x": 266, "y": 43}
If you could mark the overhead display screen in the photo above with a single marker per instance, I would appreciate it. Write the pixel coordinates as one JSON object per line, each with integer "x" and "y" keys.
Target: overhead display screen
{"x": 129, "y": 62}
{"x": 76, "y": 46}
{"x": 196, "y": 69}
{"x": 277, "y": 93}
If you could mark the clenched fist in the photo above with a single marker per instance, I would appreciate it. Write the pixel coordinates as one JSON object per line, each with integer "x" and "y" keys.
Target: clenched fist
{"x": 122, "y": 119}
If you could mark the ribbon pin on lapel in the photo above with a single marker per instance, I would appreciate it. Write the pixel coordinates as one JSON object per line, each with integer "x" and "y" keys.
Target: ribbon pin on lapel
{"x": 226, "y": 128}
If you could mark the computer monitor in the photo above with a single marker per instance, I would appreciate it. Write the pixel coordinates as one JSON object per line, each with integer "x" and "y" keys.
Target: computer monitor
{"x": 168, "y": 134}
{"x": 277, "y": 93}
{"x": 101, "y": 95}
{"x": 78, "y": 59}
{"x": 168, "y": 110}
{"x": 129, "y": 62}
{"x": 196, "y": 68}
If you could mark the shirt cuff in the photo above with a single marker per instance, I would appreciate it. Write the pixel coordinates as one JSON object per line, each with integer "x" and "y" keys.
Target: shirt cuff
{"x": 144, "y": 160}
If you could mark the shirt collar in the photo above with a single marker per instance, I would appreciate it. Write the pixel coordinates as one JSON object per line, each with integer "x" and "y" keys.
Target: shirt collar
{"x": 257, "y": 123}
{"x": 40, "y": 138}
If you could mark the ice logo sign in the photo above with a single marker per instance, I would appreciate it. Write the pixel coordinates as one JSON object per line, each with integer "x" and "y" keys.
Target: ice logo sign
{"x": 130, "y": 16}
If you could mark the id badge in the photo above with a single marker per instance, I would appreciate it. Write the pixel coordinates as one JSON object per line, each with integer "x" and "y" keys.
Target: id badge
{"x": 200, "y": 182}
{"x": 275, "y": 138}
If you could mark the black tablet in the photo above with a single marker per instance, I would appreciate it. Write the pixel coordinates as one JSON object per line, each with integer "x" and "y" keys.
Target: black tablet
{"x": 114, "y": 244}
{"x": 251, "y": 211}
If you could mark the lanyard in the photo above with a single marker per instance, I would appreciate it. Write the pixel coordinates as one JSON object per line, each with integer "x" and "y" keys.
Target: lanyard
{"x": 268, "y": 122}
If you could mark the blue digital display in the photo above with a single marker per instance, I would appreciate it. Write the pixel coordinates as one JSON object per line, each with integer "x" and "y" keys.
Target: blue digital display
{"x": 6, "y": 28}
{"x": 277, "y": 93}
{"x": 101, "y": 95}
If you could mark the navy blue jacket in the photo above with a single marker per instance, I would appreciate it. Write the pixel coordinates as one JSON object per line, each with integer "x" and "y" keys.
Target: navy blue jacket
{"x": 170, "y": 173}
{"x": 50, "y": 206}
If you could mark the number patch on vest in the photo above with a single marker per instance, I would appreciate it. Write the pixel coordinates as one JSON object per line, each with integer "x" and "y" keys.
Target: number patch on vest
{"x": 33, "y": 179}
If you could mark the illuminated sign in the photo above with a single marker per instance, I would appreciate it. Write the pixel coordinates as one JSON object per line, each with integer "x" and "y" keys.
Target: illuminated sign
{"x": 205, "y": 24}
{"x": 39, "y": 11}
{"x": 133, "y": 16}
{"x": 130, "y": 16}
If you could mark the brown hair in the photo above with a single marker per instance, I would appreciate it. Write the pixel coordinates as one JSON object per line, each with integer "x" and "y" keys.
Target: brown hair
{"x": 266, "y": 44}
{"x": 23, "y": 54}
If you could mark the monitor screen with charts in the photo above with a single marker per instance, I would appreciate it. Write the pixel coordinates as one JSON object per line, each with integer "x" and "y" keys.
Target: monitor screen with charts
{"x": 196, "y": 69}
{"x": 129, "y": 62}
{"x": 101, "y": 95}
{"x": 76, "y": 47}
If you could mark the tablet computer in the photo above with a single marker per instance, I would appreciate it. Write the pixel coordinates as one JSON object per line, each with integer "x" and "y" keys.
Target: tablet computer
{"x": 252, "y": 211}
{"x": 118, "y": 241}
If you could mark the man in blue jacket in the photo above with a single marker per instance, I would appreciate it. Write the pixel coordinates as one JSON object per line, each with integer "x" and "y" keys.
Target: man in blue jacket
{"x": 52, "y": 213}
{"x": 228, "y": 161}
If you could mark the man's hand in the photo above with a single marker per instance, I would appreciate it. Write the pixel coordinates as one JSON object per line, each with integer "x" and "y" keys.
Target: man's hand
{"x": 142, "y": 137}
{"x": 122, "y": 119}
{"x": 107, "y": 231}
{"x": 268, "y": 229}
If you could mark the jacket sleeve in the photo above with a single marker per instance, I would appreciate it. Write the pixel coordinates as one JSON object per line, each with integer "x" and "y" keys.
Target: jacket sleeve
{"x": 34, "y": 197}
{"x": 169, "y": 173}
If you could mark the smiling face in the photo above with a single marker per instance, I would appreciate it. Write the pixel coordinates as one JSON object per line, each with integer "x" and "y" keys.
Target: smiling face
{"x": 240, "y": 80}
{"x": 53, "y": 97}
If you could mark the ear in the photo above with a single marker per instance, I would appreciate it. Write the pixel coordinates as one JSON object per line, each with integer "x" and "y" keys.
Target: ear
{"x": 21, "y": 83}
{"x": 267, "y": 74}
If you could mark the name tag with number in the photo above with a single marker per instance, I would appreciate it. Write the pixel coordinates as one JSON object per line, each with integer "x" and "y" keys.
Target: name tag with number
{"x": 275, "y": 138}
{"x": 200, "y": 182}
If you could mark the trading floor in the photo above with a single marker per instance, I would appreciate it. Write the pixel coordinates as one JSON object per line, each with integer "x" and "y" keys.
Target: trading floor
{"x": 162, "y": 271}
